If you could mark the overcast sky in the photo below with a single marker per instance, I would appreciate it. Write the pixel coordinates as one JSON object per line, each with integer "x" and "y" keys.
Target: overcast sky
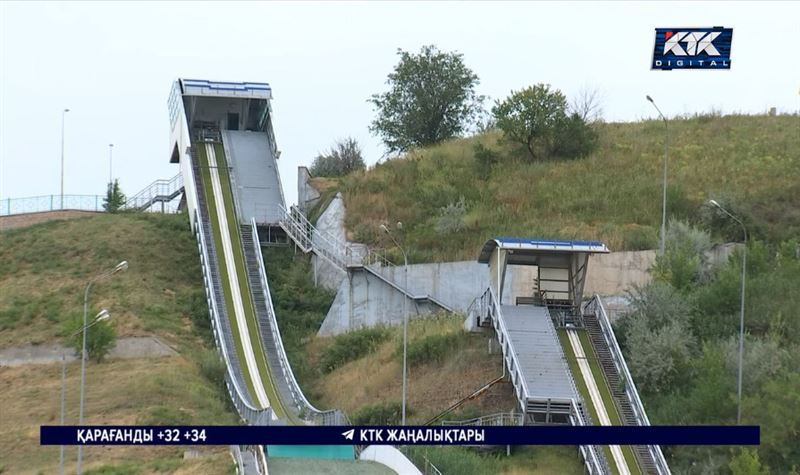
{"x": 113, "y": 64}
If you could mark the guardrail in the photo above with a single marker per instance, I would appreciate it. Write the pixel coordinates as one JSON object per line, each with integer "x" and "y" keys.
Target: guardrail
{"x": 307, "y": 411}
{"x": 499, "y": 419}
{"x": 39, "y": 204}
{"x": 596, "y": 307}
{"x": 158, "y": 191}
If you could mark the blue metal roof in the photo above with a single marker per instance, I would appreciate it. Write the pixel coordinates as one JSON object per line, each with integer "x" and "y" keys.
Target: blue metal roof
{"x": 538, "y": 246}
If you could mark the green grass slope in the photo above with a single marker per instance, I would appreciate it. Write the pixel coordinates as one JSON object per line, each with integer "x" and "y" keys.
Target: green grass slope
{"x": 613, "y": 195}
{"x": 43, "y": 271}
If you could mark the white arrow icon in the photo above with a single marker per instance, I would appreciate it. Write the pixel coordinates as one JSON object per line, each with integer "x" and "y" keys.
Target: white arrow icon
{"x": 349, "y": 434}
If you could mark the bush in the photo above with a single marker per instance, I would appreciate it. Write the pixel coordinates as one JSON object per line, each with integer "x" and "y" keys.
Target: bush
{"x": 485, "y": 158}
{"x": 100, "y": 338}
{"x": 431, "y": 348}
{"x": 640, "y": 238}
{"x": 351, "y": 346}
{"x": 574, "y": 138}
{"x": 536, "y": 118}
{"x": 451, "y": 217}
{"x": 379, "y": 414}
{"x": 213, "y": 369}
{"x": 684, "y": 262}
{"x": 344, "y": 157}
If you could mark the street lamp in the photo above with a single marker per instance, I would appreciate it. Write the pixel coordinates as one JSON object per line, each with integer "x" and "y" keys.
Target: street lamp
{"x": 63, "y": 118}
{"x": 110, "y": 162}
{"x": 103, "y": 315}
{"x": 741, "y": 306}
{"x": 405, "y": 314}
{"x": 662, "y": 244}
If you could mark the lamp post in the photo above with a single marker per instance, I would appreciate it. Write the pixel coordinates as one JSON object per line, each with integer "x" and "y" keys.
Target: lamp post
{"x": 662, "y": 244}
{"x": 741, "y": 307}
{"x": 405, "y": 315}
{"x": 110, "y": 163}
{"x": 63, "y": 397}
{"x": 63, "y": 119}
{"x": 98, "y": 318}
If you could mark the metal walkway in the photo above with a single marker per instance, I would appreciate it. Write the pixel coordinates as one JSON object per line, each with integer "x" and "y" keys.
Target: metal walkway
{"x": 533, "y": 337}
{"x": 537, "y": 368}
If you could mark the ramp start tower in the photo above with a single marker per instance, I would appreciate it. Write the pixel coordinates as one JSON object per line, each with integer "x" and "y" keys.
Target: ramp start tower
{"x": 239, "y": 115}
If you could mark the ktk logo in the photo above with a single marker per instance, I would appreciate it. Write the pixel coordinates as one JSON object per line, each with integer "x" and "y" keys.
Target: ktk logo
{"x": 696, "y": 42}
{"x": 692, "y": 48}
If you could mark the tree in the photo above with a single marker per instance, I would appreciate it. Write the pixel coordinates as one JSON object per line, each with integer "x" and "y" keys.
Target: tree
{"x": 115, "y": 199}
{"x": 343, "y": 158}
{"x": 431, "y": 98}
{"x": 538, "y": 119}
{"x": 100, "y": 338}
{"x": 587, "y": 105}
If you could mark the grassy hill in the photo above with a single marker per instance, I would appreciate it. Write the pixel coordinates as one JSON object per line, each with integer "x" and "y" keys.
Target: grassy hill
{"x": 614, "y": 195}
{"x": 43, "y": 271}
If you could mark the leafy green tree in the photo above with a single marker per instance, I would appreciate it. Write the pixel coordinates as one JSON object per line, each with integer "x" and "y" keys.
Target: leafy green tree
{"x": 115, "y": 199}
{"x": 746, "y": 462}
{"x": 684, "y": 262}
{"x": 100, "y": 338}
{"x": 344, "y": 157}
{"x": 431, "y": 98}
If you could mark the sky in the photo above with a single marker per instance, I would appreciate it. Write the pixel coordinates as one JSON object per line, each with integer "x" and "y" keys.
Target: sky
{"x": 112, "y": 64}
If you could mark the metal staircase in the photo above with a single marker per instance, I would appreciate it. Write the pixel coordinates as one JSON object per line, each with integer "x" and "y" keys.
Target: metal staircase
{"x": 283, "y": 378}
{"x": 342, "y": 255}
{"x": 160, "y": 191}
{"x": 623, "y": 390}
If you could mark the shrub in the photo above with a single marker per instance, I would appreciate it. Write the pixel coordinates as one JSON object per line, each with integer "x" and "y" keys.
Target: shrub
{"x": 485, "y": 158}
{"x": 344, "y": 157}
{"x": 451, "y": 217}
{"x": 389, "y": 413}
{"x": 351, "y": 346}
{"x": 684, "y": 261}
{"x": 100, "y": 338}
{"x": 213, "y": 369}
{"x": 537, "y": 119}
{"x": 431, "y": 348}
{"x": 640, "y": 238}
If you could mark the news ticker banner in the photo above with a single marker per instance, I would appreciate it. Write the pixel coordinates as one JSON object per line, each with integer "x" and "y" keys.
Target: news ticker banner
{"x": 394, "y": 435}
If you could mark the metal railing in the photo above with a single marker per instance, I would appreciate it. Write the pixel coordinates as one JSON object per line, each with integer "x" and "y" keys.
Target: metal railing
{"x": 39, "y": 204}
{"x": 596, "y": 307}
{"x": 305, "y": 409}
{"x": 341, "y": 254}
{"x": 159, "y": 191}
{"x": 499, "y": 419}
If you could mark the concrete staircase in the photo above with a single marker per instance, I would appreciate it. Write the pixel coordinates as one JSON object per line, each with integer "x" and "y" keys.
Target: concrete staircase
{"x": 616, "y": 385}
